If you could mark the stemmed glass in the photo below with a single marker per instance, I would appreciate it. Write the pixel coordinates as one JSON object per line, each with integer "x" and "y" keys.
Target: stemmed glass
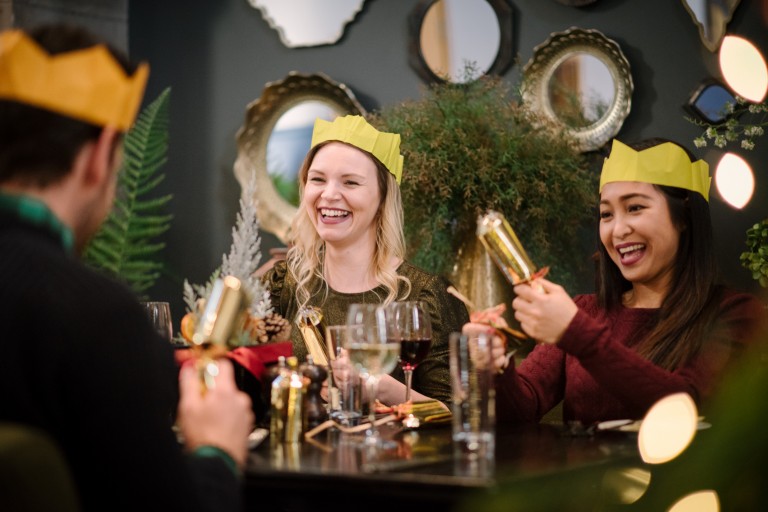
{"x": 372, "y": 354}
{"x": 159, "y": 314}
{"x": 408, "y": 324}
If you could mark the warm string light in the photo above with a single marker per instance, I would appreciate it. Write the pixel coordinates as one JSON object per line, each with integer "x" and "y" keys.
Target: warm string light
{"x": 743, "y": 68}
{"x": 702, "y": 501}
{"x": 734, "y": 180}
{"x": 667, "y": 429}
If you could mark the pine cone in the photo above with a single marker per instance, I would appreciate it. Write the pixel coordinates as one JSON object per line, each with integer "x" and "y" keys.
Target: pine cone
{"x": 276, "y": 328}
{"x": 256, "y": 329}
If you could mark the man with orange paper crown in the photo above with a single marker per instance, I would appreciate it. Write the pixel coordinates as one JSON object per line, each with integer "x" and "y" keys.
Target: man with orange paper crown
{"x": 80, "y": 360}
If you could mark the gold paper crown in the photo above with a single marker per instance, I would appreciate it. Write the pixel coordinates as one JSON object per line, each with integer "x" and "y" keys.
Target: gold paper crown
{"x": 666, "y": 164}
{"x": 88, "y": 85}
{"x": 355, "y": 130}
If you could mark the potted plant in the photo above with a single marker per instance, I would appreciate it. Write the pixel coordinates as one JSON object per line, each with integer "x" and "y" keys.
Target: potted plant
{"x": 471, "y": 147}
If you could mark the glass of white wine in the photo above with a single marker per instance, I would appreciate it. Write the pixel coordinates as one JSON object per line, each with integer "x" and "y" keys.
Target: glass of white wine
{"x": 372, "y": 354}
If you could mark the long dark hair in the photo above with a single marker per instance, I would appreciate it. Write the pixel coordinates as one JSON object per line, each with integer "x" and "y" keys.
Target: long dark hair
{"x": 690, "y": 307}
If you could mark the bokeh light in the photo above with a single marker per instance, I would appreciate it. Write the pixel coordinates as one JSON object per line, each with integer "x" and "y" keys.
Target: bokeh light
{"x": 734, "y": 180}
{"x": 668, "y": 428}
{"x": 743, "y": 68}
{"x": 625, "y": 485}
{"x": 702, "y": 501}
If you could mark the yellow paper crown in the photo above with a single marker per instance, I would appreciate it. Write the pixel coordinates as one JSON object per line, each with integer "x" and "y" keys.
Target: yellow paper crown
{"x": 355, "y": 130}
{"x": 666, "y": 164}
{"x": 88, "y": 85}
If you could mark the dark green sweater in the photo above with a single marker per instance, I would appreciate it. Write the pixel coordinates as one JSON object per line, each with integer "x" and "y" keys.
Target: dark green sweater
{"x": 447, "y": 314}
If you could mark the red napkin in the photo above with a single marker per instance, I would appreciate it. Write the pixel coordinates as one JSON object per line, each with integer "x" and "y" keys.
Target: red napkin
{"x": 254, "y": 358}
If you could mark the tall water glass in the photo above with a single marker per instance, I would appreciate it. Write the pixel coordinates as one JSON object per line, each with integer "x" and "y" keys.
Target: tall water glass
{"x": 345, "y": 387}
{"x": 371, "y": 353}
{"x": 472, "y": 386}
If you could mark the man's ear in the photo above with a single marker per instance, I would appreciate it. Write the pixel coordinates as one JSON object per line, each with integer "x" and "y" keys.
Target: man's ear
{"x": 101, "y": 157}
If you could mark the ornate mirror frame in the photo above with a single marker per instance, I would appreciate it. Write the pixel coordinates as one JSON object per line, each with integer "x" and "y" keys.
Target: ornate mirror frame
{"x": 709, "y": 102}
{"x": 274, "y": 212}
{"x": 504, "y": 57}
{"x": 576, "y": 3}
{"x": 556, "y": 49}
{"x": 321, "y": 22}
{"x": 712, "y": 18}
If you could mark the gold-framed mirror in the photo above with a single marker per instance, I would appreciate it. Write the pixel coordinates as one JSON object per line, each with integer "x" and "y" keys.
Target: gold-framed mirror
{"x": 580, "y": 80}
{"x": 712, "y": 17}
{"x": 276, "y": 135}
{"x": 448, "y": 35}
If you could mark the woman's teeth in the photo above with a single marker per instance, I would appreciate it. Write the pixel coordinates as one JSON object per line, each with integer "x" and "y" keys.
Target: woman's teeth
{"x": 333, "y": 213}
{"x": 631, "y": 248}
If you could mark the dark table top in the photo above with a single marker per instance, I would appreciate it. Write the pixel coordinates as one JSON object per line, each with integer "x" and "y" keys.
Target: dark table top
{"x": 420, "y": 467}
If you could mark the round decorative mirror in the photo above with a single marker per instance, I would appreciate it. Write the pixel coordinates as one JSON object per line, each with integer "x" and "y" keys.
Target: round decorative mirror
{"x": 276, "y": 136}
{"x": 459, "y": 40}
{"x": 581, "y": 81}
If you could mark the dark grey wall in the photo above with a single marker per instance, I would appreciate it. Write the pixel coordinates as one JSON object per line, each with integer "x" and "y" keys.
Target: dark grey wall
{"x": 106, "y": 18}
{"x": 218, "y": 55}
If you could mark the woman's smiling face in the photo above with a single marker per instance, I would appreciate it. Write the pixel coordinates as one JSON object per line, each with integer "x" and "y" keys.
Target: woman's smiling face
{"x": 342, "y": 194}
{"x": 637, "y": 231}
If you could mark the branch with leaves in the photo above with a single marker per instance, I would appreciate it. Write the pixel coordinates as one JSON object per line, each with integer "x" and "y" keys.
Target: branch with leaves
{"x": 746, "y": 121}
{"x": 244, "y": 257}
{"x": 755, "y": 258}
{"x": 126, "y": 246}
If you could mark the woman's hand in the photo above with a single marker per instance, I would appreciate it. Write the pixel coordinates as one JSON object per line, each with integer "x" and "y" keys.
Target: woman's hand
{"x": 498, "y": 342}
{"x": 544, "y": 316}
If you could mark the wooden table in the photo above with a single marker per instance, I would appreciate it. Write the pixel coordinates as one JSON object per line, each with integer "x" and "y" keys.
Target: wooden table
{"x": 421, "y": 470}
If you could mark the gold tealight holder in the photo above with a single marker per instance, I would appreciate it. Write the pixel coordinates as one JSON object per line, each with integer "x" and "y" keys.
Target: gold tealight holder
{"x": 506, "y": 251}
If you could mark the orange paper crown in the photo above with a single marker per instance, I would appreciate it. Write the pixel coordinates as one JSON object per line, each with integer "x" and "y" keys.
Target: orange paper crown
{"x": 88, "y": 85}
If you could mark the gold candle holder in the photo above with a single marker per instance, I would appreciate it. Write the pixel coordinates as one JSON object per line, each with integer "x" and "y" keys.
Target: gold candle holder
{"x": 505, "y": 249}
{"x": 224, "y": 312}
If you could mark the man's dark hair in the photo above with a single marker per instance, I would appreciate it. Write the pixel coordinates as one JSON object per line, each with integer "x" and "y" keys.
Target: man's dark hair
{"x": 38, "y": 146}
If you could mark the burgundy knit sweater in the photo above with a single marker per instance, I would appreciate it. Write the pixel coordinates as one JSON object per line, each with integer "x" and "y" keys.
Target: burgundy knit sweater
{"x": 599, "y": 376}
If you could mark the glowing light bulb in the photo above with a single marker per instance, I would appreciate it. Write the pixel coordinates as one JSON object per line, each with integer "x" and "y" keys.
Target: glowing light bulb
{"x": 702, "y": 501}
{"x": 743, "y": 68}
{"x": 734, "y": 180}
{"x": 667, "y": 429}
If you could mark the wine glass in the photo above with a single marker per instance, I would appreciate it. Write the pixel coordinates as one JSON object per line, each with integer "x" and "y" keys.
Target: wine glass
{"x": 372, "y": 354}
{"x": 408, "y": 324}
{"x": 159, "y": 314}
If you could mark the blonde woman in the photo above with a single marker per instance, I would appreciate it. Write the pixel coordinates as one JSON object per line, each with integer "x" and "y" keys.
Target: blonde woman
{"x": 348, "y": 247}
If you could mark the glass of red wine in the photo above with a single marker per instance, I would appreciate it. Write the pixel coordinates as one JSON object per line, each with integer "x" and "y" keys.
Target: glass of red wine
{"x": 409, "y": 325}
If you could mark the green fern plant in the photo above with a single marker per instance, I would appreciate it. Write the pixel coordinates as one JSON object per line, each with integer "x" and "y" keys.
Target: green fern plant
{"x": 126, "y": 246}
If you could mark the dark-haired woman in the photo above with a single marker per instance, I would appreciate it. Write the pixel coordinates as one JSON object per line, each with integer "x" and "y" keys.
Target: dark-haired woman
{"x": 659, "y": 322}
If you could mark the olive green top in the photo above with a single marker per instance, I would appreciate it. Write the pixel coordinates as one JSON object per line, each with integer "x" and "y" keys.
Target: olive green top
{"x": 447, "y": 314}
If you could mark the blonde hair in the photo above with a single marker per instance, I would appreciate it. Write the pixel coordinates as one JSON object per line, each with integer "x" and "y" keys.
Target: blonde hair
{"x": 306, "y": 255}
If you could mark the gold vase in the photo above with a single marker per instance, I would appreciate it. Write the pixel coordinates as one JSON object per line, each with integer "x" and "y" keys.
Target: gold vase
{"x": 475, "y": 275}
